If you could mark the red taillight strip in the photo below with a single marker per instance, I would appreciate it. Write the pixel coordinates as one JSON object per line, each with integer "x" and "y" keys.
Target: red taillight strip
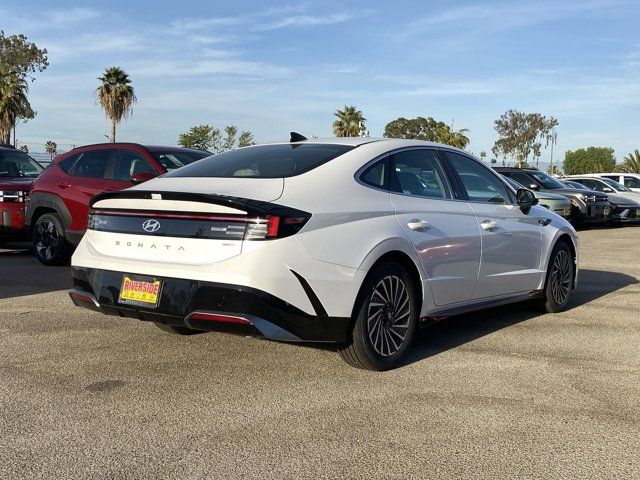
{"x": 216, "y": 317}
{"x": 177, "y": 215}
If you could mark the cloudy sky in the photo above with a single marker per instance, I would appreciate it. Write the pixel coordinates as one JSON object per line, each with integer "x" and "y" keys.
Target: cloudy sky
{"x": 275, "y": 67}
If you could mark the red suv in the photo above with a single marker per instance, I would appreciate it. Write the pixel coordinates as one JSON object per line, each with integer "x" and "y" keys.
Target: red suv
{"x": 59, "y": 198}
{"x": 17, "y": 171}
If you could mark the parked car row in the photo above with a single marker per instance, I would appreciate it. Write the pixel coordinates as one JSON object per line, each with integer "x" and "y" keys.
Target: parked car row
{"x": 594, "y": 199}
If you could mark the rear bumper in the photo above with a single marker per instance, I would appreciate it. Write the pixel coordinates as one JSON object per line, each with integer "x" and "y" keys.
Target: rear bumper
{"x": 209, "y": 307}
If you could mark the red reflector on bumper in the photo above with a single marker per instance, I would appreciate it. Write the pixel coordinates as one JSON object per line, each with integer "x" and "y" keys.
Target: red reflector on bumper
{"x": 216, "y": 317}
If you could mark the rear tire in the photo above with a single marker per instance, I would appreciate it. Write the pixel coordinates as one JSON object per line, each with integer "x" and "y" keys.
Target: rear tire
{"x": 560, "y": 278}
{"x": 384, "y": 321}
{"x": 49, "y": 242}
{"x": 175, "y": 329}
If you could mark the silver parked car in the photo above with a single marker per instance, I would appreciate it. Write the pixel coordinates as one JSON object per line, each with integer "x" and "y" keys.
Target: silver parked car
{"x": 556, "y": 203}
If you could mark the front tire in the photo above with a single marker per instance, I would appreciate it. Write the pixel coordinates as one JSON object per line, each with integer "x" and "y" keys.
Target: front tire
{"x": 384, "y": 321}
{"x": 560, "y": 278}
{"x": 49, "y": 243}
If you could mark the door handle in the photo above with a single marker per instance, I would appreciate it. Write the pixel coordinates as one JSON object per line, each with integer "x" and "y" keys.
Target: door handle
{"x": 544, "y": 221}
{"x": 63, "y": 185}
{"x": 418, "y": 225}
{"x": 488, "y": 225}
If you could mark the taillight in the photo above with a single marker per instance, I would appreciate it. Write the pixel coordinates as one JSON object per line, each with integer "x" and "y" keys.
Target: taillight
{"x": 275, "y": 226}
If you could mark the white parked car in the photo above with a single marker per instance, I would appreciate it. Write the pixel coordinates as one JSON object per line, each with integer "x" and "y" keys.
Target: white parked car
{"x": 629, "y": 180}
{"x": 605, "y": 185}
{"x": 352, "y": 241}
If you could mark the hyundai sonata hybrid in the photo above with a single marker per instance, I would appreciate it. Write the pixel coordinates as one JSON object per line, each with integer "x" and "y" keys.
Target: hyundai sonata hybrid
{"x": 352, "y": 241}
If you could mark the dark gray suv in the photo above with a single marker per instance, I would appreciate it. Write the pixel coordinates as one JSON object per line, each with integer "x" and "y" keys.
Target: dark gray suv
{"x": 587, "y": 206}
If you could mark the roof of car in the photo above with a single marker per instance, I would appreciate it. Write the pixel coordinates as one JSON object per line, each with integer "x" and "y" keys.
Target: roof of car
{"x": 151, "y": 148}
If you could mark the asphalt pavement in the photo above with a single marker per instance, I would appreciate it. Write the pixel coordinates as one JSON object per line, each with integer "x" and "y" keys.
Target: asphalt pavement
{"x": 502, "y": 393}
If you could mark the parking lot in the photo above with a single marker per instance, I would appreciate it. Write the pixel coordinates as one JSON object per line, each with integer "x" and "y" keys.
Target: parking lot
{"x": 503, "y": 393}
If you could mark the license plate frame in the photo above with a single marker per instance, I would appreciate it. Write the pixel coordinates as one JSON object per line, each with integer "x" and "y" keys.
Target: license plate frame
{"x": 140, "y": 291}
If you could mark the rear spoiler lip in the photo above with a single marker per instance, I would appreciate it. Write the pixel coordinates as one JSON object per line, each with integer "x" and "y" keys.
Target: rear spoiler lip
{"x": 252, "y": 207}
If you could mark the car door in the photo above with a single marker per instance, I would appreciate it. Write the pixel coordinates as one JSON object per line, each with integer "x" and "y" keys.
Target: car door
{"x": 86, "y": 178}
{"x": 443, "y": 230}
{"x": 511, "y": 239}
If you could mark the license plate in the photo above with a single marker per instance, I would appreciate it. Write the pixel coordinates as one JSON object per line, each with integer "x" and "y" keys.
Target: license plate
{"x": 140, "y": 291}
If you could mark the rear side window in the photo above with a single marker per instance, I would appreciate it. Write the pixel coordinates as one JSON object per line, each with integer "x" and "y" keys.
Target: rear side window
{"x": 67, "y": 164}
{"x": 264, "y": 161}
{"x": 376, "y": 174}
{"x": 92, "y": 164}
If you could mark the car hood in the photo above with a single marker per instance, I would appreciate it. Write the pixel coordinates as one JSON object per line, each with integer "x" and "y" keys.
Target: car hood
{"x": 549, "y": 196}
{"x": 19, "y": 183}
{"x": 625, "y": 199}
{"x": 575, "y": 192}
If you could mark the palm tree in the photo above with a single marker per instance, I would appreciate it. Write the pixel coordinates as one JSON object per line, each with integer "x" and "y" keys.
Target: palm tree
{"x": 14, "y": 103}
{"x": 349, "y": 123}
{"x": 51, "y": 148}
{"x": 116, "y": 97}
{"x": 632, "y": 162}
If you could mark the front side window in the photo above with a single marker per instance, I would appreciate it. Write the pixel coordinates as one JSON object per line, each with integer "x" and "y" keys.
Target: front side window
{"x": 92, "y": 164}
{"x": 420, "y": 174}
{"x": 481, "y": 184}
{"x": 615, "y": 185}
{"x": 264, "y": 161}
{"x": 128, "y": 163}
{"x": 593, "y": 184}
{"x": 18, "y": 164}
{"x": 631, "y": 182}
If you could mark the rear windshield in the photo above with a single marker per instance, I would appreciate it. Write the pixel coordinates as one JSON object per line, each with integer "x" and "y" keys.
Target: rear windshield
{"x": 177, "y": 158}
{"x": 18, "y": 164}
{"x": 264, "y": 161}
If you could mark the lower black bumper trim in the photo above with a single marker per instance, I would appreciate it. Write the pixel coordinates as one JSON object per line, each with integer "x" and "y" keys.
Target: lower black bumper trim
{"x": 270, "y": 316}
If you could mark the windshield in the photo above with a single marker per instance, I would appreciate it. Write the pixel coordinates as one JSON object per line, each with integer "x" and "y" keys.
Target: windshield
{"x": 512, "y": 182}
{"x": 176, "y": 159}
{"x": 575, "y": 185}
{"x": 264, "y": 161}
{"x": 547, "y": 181}
{"x": 18, "y": 164}
{"x": 615, "y": 185}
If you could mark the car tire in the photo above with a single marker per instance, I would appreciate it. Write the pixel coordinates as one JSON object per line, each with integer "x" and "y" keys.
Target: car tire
{"x": 175, "y": 329}
{"x": 385, "y": 319}
{"x": 49, "y": 242}
{"x": 560, "y": 278}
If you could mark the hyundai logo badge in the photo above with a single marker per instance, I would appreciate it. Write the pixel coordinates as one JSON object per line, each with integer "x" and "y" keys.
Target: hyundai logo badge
{"x": 151, "y": 225}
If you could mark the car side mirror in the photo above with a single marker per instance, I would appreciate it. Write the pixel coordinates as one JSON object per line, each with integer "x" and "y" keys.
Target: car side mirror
{"x": 526, "y": 199}
{"x": 607, "y": 190}
{"x": 142, "y": 177}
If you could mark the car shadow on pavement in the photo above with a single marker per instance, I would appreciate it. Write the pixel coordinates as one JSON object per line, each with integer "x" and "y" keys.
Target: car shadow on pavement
{"x": 455, "y": 331}
{"x": 22, "y": 274}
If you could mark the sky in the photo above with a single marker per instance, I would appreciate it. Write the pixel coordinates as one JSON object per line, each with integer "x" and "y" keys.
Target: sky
{"x": 274, "y": 67}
